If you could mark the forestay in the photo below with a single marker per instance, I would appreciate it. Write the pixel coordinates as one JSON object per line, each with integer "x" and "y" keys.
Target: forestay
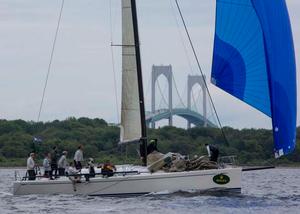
{"x": 254, "y": 61}
{"x": 130, "y": 107}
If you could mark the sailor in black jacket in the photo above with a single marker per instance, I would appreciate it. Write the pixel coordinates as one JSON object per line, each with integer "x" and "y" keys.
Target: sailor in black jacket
{"x": 213, "y": 152}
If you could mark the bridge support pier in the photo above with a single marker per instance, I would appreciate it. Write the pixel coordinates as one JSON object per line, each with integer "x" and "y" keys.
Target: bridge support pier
{"x": 167, "y": 72}
{"x": 192, "y": 81}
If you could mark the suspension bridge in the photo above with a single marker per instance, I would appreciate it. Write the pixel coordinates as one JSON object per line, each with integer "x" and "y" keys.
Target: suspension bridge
{"x": 192, "y": 116}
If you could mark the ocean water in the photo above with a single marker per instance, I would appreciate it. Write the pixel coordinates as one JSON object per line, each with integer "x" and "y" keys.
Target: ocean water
{"x": 269, "y": 191}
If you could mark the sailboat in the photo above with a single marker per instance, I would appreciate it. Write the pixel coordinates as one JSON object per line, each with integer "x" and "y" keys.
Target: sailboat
{"x": 225, "y": 74}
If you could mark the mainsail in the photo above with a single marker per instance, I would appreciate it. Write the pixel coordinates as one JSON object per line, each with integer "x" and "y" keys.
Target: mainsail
{"x": 130, "y": 109}
{"x": 254, "y": 60}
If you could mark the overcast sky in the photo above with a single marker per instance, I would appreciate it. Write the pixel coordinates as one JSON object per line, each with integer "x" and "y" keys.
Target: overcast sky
{"x": 81, "y": 81}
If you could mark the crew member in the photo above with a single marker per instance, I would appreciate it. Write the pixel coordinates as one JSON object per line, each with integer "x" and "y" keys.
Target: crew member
{"x": 152, "y": 146}
{"x": 46, "y": 165}
{"x": 54, "y": 157}
{"x": 72, "y": 172}
{"x": 91, "y": 165}
{"x": 30, "y": 167}
{"x": 143, "y": 152}
{"x": 62, "y": 164}
{"x": 213, "y": 152}
{"x": 78, "y": 158}
{"x": 153, "y": 154}
{"x": 108, "y": 169}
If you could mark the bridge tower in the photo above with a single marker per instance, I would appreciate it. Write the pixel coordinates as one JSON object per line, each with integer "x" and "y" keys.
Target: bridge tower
{"x": 192, "y": 81}
{"x": 167, "y": 72}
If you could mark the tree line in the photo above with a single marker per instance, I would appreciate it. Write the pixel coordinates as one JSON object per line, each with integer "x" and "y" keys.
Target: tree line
{"x": 100, "y": 141}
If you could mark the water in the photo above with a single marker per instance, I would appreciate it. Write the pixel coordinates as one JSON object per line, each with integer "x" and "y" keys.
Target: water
{"x": 270, "y": 191}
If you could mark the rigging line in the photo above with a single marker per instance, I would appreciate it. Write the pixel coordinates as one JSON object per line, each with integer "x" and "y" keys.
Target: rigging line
{"x": 113, "y": 17}
{"x": 200, "y": 69}
{"x": 113, "y": 61}
{"x": 181, "y": 38}
{"x": 51, "y": 59}
{"x": 176, "y": 88}
{"x": 183, "y": 44}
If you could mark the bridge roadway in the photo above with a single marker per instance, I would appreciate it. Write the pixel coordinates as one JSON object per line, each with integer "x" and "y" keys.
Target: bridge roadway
{"x": 189, "y": 115}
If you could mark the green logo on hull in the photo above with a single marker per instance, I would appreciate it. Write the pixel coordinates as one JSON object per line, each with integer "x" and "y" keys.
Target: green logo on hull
{"x": 221, "y": 179}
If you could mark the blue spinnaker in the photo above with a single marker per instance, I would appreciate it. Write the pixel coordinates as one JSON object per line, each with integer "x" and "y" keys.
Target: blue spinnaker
{"x": 254, "y": 60}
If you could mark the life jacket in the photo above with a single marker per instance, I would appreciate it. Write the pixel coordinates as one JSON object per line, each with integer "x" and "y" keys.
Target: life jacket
{"x": 108, "y": 170}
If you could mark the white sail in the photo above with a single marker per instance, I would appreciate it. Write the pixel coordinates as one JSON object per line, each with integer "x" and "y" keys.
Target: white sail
{"x": 130, "y": 108}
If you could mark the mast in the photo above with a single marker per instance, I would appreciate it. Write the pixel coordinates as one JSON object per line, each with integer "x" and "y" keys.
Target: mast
{"x": 143, "y": 140}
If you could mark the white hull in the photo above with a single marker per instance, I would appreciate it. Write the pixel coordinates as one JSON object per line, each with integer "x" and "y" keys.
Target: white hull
{"x": 143, "y": 183}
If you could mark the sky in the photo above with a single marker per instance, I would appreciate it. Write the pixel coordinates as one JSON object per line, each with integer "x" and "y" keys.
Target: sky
{"x": 81, "y": 80}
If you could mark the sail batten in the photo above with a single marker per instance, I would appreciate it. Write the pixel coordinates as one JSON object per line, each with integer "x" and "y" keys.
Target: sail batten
{"x": 254, "y": 61}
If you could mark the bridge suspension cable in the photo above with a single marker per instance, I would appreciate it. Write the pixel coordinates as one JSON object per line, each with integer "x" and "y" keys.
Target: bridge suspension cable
{"x": 147, "y": 93}
{"x": 195, "y": 100}
{"x": 163, "y": 99}
{"x": 176, "y": 89}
